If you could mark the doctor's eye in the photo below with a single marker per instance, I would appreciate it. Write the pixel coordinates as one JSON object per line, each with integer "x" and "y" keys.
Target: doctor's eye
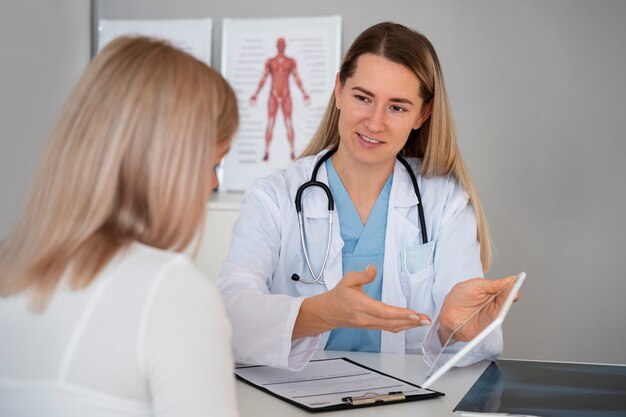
{"x": 362, "y": 98}
{"x": 397, "y": 109}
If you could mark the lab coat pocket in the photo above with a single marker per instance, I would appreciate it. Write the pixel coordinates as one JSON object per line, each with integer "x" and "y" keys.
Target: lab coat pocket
{"x": 417, "y": 289}
{"x": 417, "y": 257}
{"x": 416, "y": 275}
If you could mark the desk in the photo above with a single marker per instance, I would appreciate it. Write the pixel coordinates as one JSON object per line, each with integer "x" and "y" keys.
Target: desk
{"x": 455, "y": 383}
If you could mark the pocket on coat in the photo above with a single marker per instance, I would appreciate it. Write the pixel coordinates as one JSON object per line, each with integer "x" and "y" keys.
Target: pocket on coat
{"x": 415, "y": 258}
{"x": 417, "y": 289}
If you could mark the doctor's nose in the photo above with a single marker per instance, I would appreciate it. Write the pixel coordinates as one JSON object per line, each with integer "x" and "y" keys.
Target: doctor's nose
{"x": 375, "y": 121}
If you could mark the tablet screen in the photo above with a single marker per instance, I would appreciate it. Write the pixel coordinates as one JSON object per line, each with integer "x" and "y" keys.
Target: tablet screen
{"x": 441, "y": 366}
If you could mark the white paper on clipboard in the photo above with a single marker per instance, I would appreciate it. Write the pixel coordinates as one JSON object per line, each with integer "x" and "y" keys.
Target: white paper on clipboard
{"x": 331, "y": 384}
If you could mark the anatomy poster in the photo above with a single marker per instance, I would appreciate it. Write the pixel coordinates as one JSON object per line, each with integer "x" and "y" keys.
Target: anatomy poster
{"x": 191, "y": 35}
{"x": 283, "y": 72}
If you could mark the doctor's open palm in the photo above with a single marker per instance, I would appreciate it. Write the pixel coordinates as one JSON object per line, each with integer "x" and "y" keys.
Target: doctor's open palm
{"x": 348, "y": 306}
{"x": 459, "y": 310}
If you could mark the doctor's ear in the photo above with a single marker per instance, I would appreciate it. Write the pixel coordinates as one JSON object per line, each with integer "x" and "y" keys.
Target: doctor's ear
{"x": 425, "y": 113}
{"x": 338, "y": 88}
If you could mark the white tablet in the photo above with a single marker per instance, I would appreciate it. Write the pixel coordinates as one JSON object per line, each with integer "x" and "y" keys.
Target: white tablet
{"x": 497, "y": 322}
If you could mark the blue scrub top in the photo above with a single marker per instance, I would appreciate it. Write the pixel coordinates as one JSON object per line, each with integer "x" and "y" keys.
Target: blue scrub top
{"x": 363, "y": 245}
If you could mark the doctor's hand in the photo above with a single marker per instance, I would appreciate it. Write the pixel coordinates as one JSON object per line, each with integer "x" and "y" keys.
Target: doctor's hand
{"x": 347, "y": 305}
{"x": 464, "y": 300}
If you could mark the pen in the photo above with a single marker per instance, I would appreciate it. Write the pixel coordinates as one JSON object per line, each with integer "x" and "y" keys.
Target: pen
{"x": 372, "y": 398}
{"x": 474, "y": 414}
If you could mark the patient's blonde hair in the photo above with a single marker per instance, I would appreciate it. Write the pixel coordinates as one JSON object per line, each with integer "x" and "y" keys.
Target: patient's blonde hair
{"x": 435, "y": 141}
{"x": 130, "y": 159}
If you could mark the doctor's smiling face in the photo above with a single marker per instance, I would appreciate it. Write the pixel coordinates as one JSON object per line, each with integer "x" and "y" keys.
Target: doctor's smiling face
{"x": 378, "y": 107}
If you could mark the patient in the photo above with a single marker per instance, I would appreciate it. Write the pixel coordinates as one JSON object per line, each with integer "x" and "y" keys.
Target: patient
{"x": 100, "y": 314}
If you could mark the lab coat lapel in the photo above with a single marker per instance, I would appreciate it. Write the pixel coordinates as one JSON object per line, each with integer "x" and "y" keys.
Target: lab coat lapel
{"x": 334, "y": 267}
{"x": 402, "y": 230}
{"x": 403, "y": 208}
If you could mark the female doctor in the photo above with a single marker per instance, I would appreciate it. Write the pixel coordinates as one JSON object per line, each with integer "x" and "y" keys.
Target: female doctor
{"x": 370, "y": 274}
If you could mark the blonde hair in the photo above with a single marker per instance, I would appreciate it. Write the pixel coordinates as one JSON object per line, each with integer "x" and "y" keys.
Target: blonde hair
{"x": 435, "y": 141}
{"x": 130, "y": 159}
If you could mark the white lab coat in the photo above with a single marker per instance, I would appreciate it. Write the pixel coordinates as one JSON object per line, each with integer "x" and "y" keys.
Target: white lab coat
{"x": 263, "y": 301}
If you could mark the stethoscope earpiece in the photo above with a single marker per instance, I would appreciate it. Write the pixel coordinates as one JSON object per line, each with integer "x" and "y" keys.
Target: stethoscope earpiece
{"x": 295, "y": 277}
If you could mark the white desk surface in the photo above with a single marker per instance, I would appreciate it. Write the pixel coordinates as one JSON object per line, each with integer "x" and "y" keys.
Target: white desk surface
{"x": 455, "y": 383}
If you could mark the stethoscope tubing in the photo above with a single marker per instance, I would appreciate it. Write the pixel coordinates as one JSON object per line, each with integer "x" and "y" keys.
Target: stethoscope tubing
{"x": 313, "y": 182}
{"x": 317, "y": 278}
{"x": 416, "y": 188}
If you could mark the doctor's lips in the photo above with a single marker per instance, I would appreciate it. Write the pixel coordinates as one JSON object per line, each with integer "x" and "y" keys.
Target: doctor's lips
{"x": 423, "y": 322}
{"x": 369, "y": 140}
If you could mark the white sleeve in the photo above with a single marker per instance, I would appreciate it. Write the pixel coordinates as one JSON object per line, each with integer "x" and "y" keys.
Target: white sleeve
{"x": 262, "y": 322}
{"x": 184, "y": 346}
{"x": 457, "y": 258}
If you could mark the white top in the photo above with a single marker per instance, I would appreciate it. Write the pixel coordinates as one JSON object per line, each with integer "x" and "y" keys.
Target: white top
{"x": 148, "y": 337}
{"x": 262, "y": 301}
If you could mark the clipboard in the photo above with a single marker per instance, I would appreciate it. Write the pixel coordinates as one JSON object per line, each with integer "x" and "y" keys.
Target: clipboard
{"x": 333, "y": 384}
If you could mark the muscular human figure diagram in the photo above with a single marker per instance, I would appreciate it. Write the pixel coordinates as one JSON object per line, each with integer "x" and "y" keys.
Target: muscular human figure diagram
{"x": 279, "y": 67}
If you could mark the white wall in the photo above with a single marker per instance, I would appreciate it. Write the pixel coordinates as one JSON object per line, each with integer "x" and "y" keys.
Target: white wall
{"x": 539, "y": 94}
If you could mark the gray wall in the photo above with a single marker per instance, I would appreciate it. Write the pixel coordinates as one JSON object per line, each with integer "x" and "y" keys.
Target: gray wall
{"x": 44, "y": 47}
{"x": 539, "y": 94}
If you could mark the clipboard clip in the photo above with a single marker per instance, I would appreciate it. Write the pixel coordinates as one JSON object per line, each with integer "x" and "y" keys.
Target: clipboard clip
{"x": 372, "y": 398}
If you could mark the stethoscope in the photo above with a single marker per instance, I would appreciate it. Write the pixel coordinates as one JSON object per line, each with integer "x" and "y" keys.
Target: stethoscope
{"x": 317, "y": 279}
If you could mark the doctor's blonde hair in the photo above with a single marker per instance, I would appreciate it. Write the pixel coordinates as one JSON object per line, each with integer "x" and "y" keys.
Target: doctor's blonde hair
{"x": 435, "y": 141}
{"x": 130, "y": 159}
